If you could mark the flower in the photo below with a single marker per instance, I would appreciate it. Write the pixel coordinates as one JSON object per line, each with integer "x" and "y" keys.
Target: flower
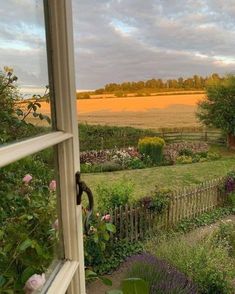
{"x": 35, "y": 282}
{"x": 52, "y": 185}
{"x": 106, "y": 217}
{"x": 56, "y": 225}
{"x": 27, "y": 178}
{"x": 97, "y": 214}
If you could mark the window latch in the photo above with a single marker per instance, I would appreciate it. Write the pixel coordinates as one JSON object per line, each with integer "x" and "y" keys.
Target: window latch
{"x": 81, "y": 187}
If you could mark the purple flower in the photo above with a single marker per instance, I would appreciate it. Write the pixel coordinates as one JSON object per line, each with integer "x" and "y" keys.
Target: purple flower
{"x": 160, "y": 276}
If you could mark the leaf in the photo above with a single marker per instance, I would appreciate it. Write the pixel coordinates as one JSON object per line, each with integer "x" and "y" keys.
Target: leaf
{"x": 134, "y": 286}
{"x": 2, "y": 281}
{"x": 106, "y": 236}
{"x": 27, "y": 273}
{"x": 26, "y": 244}
{"x": 106, "y": 281}
{"x": 110, "y": 227}
{"x": 114, "y": 292}
{"x": 90, "y": 274}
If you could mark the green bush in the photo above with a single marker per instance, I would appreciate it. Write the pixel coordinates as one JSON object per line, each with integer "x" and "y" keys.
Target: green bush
{"x": 204, "y": 219}
{"x": 209, "y": 266}
{"x": 153, "y": 147}
{"x": 225, "y": 236}
{"x": 102, "y": 167}
{"x": 158, "y": 201}
{"x": 136, "y": 163}
{"x": 186, "y": 152}
{"x": 159, "y": 275}
{"x": 213, "y": 156}
{"x": 27, "y": 213}
{"x": 231, "y": 201}
{"x": 97, "y": 137}
{"x": 183, "y": 159}
{"x": 113, "y": 195}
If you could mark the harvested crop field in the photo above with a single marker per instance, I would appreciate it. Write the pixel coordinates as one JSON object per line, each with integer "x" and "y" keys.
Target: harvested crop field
{"x": 142, "y": 112}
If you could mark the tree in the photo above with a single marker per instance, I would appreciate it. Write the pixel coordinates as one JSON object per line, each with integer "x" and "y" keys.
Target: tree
{"x": 218, "y": 109}
{"x": 13, "y": 124}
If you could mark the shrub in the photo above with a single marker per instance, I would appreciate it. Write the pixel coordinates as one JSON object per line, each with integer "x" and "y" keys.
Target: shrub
{"x": 213, "y": 156}
{"x": 159, "y": 275}
{"x": 116, "y": 253}
{"x": 96, "y": 242}
{"x": 225, "y": 236}
{"x": 209, "y": 266}
{"x": 186, "y": 152}
{"x": 158, "y": 201}
{"x": 174, "y": 150}
{"x": 153, "y": 147}
{"x": 184, "y": 159}
{"x": 113, "y": 195}
{"x": 136, "y": 163}
{"x": 27, "y": 212}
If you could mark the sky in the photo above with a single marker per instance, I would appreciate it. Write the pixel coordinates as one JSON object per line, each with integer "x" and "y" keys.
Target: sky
{"x": 123, "y": 40}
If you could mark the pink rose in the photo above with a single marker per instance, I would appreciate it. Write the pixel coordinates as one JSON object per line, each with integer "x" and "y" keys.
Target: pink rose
{"x": 106, "y": 217}
{"x": 27, "y": 178}
{"x": 34, "y": 283}
{"x": 52, "y": 185}
{"x": 56, "y": 225}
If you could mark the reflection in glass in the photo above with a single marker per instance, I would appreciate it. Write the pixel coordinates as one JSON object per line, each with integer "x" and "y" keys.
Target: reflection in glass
{"x": 29, "y": 229}
{"x": 24, "y": 92}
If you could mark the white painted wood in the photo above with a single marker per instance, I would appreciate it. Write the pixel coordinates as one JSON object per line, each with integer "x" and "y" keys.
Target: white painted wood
{"x": 62, "y": 77}
{"x": 13, "y": 152}
{"x": 63, "y": 278}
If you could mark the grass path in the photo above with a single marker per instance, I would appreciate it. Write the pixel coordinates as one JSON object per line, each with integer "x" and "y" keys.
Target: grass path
{"x": 176, "y": 176}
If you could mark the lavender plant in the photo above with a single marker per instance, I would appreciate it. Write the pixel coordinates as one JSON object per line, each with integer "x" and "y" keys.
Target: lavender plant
{"x": 161, "y": 277}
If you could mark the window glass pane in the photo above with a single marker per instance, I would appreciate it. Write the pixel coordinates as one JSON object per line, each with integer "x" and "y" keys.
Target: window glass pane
{"x": 24, "y": 92}
{"x": 29, "y": 227}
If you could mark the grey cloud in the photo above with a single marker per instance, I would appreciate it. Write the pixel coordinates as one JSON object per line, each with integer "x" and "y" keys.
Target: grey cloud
{"x": 163, "y": 38}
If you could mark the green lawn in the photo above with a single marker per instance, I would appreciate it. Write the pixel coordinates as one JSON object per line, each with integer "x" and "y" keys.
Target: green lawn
{"x": 165, "y": 176}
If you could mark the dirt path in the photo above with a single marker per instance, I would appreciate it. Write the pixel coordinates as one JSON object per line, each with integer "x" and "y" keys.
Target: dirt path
{"x": 98, "y": 288}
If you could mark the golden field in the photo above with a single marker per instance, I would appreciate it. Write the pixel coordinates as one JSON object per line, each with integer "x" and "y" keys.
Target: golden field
{"x": 142, "y": 112}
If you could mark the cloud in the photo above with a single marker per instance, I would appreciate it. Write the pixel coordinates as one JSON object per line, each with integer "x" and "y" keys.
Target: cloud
{"x": 117, "y": 40}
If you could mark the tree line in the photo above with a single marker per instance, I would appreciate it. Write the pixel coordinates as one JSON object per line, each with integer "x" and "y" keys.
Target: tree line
{"x": 195, "y": 82}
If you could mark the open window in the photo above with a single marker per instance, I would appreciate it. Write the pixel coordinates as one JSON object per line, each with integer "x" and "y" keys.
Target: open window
{"x": 66, "y": 274}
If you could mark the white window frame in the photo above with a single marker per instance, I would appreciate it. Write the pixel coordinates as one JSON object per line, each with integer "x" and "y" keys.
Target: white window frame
{"x": 70, "y": 277}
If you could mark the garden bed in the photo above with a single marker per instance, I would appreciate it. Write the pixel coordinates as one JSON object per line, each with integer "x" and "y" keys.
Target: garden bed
{"x": 194, "y": 236}
{"x": 148, "y": 154}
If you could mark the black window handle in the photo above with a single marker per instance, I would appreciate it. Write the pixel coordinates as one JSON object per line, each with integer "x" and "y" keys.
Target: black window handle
{"x": 81, "y": 187}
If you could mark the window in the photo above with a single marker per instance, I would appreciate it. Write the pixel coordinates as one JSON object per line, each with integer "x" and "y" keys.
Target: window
{"x": 68, "y": 273}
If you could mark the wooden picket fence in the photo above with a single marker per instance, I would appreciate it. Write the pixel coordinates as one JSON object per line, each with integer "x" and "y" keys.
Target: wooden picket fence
{"x": 135, "y": 223}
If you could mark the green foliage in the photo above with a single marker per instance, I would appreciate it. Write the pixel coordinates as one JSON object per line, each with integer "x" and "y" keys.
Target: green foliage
{"x": 208, "y": 265}
{"x": 204, "y": 219}
{"x": 217, "y": 109}
{"x": 13, "y": 124}
{"x": 131, "y": 286}
{"x": 113, "y": 195}
{"x": 96, "y": 242}
{"x": 137, "y": 163}
{"x": 152, "y": 147}
{"x": 27, "y": 212}
{"x": 158, "y": 201}
{"x": 225, "y": 236}
{"x": 97, "y": 137}
{"x": 101, "y": 167}
{"x": 231, "y": 201}
{"x": 183, "y": 159}
{"x": 116, "y": 253}
{"x": 134, "y": 286}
